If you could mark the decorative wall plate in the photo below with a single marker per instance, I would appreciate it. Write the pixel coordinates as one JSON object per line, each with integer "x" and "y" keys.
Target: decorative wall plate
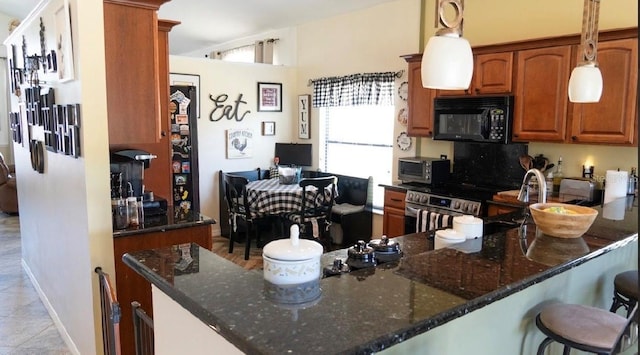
{"x": 404, "y": 141}
{"x": 403, "y": 90}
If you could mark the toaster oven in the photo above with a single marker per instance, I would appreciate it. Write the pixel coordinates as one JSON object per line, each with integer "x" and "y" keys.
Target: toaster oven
{"x": 430, "y": 171}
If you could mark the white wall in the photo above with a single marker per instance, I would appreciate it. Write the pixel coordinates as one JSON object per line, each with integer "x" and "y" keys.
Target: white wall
{"x": 65, "y": 213}
{"x": 218, "y": 77}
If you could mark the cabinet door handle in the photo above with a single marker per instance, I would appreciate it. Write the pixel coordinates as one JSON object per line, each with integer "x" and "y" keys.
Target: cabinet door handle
{"x": 163, "y": 134}
{"x": 396, "y": 200}
{"x": 574, "y": 138}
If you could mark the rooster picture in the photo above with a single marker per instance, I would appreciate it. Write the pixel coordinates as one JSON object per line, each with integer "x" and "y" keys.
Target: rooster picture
{"x": 239, "y": 145}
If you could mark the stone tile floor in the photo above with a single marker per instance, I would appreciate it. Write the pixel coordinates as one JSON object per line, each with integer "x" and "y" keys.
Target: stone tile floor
{"x": 25, "y": 326}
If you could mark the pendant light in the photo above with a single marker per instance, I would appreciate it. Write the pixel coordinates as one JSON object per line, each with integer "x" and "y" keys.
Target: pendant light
{"x": 585, "y": 83}
{"x": 447, "y": 61}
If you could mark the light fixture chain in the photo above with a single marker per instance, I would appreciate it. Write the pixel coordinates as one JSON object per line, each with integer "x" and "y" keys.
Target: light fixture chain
{"x": 590, "y": 30}
{"x": 454, "y": 26}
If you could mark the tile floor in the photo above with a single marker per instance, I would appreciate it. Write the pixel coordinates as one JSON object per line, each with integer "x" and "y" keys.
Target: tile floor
{"x": 25, "y": 326}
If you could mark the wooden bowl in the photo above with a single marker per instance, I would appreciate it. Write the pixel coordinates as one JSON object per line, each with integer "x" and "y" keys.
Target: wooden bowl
{"x": 572, "y": 225}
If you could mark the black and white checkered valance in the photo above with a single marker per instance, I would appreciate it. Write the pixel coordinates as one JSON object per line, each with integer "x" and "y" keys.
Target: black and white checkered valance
{"x": 353, "y": 90}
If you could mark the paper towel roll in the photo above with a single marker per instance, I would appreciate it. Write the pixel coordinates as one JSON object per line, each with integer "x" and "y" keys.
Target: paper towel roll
{"x": 615, "y": 210}
{"x": 615, "y": 185}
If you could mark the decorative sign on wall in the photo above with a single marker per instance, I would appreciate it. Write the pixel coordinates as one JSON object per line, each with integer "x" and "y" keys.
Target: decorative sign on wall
{"x": 239, "y": 143}
{"x": 269, "y": 97}
{"x": 303, "y": 116}
{"x": 229, "y": 111}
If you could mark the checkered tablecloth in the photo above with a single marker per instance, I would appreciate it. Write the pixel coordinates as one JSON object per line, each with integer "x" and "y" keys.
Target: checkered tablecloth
{"x": 269, "y": 197}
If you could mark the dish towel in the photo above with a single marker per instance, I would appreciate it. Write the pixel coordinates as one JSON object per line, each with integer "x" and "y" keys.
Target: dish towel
{"x": 427, "y": 221}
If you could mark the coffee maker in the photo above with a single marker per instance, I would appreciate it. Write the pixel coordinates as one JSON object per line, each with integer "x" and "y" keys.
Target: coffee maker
{"x": 127, "y": 172}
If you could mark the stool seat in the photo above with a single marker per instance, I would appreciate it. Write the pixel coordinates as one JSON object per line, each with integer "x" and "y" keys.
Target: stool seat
{"x": 626, "y": 290}
{"x": 626, "y": 283}
{"x": 590, "y": 326}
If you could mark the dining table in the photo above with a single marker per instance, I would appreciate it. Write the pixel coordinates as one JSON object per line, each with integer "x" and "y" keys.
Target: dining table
{"x": 268, "y": 197}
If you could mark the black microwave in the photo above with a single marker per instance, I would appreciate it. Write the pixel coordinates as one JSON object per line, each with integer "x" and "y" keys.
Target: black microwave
{"x": 473, "y": 118}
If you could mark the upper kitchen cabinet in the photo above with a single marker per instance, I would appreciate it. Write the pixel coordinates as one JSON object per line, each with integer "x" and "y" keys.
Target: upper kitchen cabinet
{"x": 132, "y": 71}
{"x": 542, "y": 79}
{"x": 613, "y": 120}
{"x": 419, "y": 101}
{"x": 492, "y": 74}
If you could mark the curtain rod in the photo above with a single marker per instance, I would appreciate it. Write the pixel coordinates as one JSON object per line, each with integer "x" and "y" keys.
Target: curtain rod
{"x": 399, "y": 74}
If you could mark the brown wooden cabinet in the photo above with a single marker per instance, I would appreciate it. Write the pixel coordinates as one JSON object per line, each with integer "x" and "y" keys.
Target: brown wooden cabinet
{"x": 132, "y": 287}
{"x": 537, "y": 73}
{"x": 138, "y": 94}
{"x": 492, "y": 74}
{"x": 613, "y": 120}
{"x": 542, "y": 79}
{"x": 132, "y": 71}
{"x": 393, "y": 218}
{"x": 419, "y": 101}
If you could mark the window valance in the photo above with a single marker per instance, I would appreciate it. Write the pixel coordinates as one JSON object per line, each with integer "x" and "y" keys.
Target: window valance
{"x": 354, "y": 90}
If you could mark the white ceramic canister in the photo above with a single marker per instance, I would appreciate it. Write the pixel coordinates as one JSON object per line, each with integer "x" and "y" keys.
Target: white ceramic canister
{"x": 291, "y": 261}
{"x": 470, "y": 226}
{"x": 447, "y": 237}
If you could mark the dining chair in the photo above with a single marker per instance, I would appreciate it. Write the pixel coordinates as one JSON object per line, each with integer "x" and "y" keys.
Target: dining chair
{"x": 314, "y": 216}
{"x": 586, "y": 328}
{"x": 240, "y": 218}
{"x": 625, "y": 291}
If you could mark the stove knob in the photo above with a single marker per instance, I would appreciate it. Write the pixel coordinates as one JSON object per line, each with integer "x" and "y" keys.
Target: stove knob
{"x": 409, "y": 196}
{"x": 474, "y": 209}
{"x": 463, "y": 206}
{"x": 456, "y": 205}
{"x": 423, "y": 199}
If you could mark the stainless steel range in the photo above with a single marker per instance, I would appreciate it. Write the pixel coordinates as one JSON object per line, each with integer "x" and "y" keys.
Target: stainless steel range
{"x": 417, "y": 200}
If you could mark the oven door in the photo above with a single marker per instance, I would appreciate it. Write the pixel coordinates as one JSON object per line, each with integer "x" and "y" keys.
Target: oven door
{"x": 411, "y": 214}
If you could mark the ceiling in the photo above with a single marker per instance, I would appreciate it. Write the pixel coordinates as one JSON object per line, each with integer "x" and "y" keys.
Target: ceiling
{"x": 207, "y": 23}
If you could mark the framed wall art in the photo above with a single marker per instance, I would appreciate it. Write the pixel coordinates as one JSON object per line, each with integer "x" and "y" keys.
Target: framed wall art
{"x": 268, "y": 128}
{"x": 239, "y": 143}
{"x": 304, "y": 124}
{"x": 269, "y": 97}
{"x": 63, "y": 41}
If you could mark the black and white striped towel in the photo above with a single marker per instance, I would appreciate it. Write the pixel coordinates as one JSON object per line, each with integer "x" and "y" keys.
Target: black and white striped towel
{"x": 428, "y": 221}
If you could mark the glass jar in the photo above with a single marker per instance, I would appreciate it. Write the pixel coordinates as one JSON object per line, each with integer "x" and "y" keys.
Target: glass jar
{"x": 120, "y": 213}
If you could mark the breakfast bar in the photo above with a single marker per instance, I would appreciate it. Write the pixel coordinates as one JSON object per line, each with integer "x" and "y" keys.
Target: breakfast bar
{"x": 487, "y": 290}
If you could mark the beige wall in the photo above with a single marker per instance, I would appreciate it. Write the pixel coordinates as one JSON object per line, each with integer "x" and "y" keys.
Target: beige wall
{"x": 65, "y": 220}
{"x": 218, "y": 77}
{"x": 498, "y": 21}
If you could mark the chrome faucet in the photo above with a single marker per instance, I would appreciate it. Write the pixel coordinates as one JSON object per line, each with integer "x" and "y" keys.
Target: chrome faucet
{"x": 523, "y": 195}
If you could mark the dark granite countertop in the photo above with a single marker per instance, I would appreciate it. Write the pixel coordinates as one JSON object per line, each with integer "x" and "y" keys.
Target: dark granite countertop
{"x": 368, "y": 310}
{"x": 164, "y": 222}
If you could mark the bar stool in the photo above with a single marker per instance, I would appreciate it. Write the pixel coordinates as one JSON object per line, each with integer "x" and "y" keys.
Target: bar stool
{"x": 625, "y": 292}
{"x": 585, "y": 328}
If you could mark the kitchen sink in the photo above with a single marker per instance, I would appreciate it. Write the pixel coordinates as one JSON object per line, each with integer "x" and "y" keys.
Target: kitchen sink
{"x": 497, "y": 226}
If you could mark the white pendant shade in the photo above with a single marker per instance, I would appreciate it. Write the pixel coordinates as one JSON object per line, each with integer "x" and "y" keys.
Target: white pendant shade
{"x": 447, "y": 63}
{"x": 585, "y": 84}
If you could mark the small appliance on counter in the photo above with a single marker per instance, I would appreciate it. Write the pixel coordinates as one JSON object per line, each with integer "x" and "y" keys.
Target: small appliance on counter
{"x": 424, "y": 170}
{"x": 127, "y": 184}
{"x": 580, "y": 191}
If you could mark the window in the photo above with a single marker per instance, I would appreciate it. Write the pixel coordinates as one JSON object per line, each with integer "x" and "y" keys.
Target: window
{"x": 358, "y": 141}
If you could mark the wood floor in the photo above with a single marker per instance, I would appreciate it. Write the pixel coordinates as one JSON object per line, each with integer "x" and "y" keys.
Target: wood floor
{"x": 221, "y": 248}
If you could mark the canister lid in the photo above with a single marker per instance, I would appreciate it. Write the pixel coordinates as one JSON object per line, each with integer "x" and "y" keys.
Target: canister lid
{"x": 467, "y": 219}
{"x": 292, "y": 248}
{"x": 451, "y": 235}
